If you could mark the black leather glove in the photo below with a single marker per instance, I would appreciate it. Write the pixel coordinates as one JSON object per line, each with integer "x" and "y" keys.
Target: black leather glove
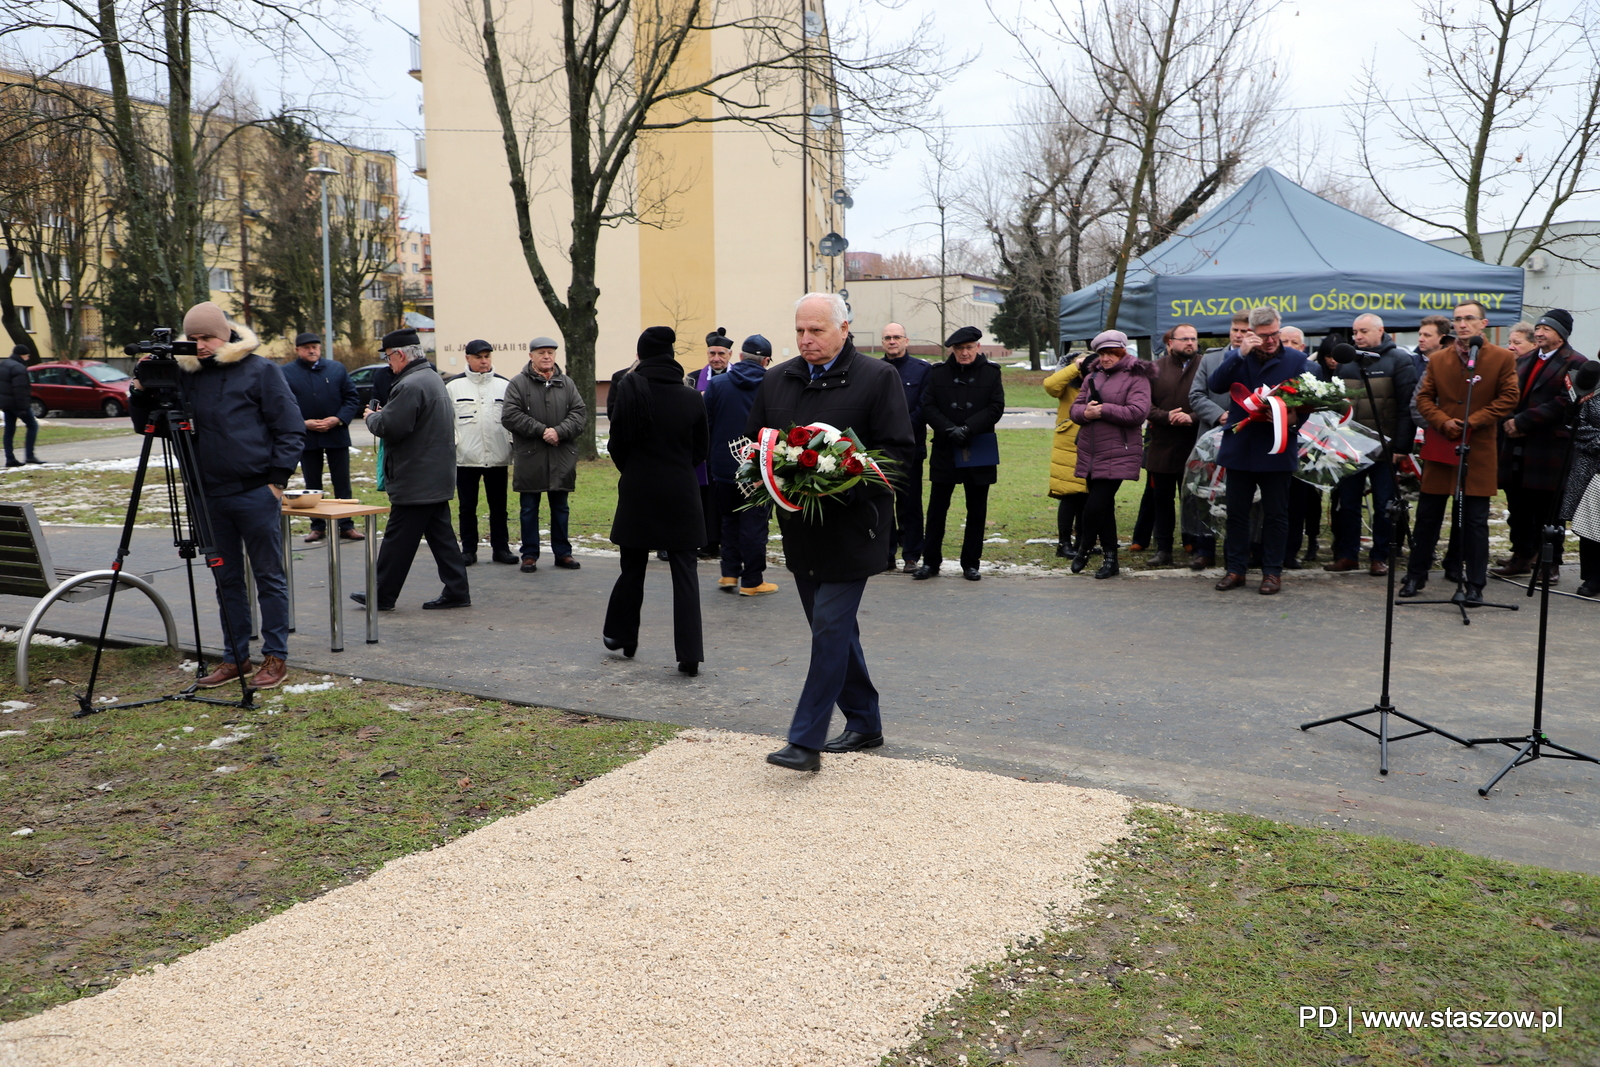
{"x": 959, "y": 435}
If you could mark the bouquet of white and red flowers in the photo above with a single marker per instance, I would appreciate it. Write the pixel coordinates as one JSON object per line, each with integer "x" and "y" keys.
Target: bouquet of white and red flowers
{"x": 1272, "y": 403}
{"x": 798, "y": 467}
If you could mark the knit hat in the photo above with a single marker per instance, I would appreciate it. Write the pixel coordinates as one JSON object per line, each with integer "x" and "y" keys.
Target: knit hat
{"x": 21, "y": 350}
{"x": 207, "y": 319}
{"x": 398, "y": 339}
{"x": 656, "y": 343}
{"x": 475, "y": 347}
{"x": 1109, "y": 339}
{"x": 757, "y": 345}
{"x": 964, "y": 336}
{"x": 717, "y": 339}
{"x": 1559, "y": 320}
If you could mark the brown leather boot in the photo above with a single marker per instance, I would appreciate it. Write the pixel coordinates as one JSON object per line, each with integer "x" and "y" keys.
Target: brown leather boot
{"x": 225, "y": 673}
{"x": 1515, "y": 566}
{"x": 270, "y": 674}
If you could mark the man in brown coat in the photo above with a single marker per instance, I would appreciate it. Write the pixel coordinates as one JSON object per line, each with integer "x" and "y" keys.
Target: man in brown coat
{"x": 1442, "y": 403}
{"x": 1170, "y": 433}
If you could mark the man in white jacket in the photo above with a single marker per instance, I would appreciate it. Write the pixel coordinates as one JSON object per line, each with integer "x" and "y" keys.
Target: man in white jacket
{"x": 483, "y": 451}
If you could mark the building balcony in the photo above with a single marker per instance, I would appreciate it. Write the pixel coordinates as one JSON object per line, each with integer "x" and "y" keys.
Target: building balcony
{"x": 416, "y": 59}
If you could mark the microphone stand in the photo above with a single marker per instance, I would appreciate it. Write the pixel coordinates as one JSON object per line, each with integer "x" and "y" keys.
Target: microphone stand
{"x": 1400, "y": 520}
{"x": 1532, "y": 745}
{"x": 1458, "y": 506}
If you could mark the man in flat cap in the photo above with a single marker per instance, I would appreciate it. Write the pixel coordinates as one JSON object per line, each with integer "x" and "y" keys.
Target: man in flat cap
{"x": 417, "y": 426}
{"x": 328, "y": 403}
{"x": 483, "y": 452}
{"x": 963, "y": 403}
{"x": 1535, "y": 442}
{"x": 545, "y": 415}
{"x": 744, "y": 530}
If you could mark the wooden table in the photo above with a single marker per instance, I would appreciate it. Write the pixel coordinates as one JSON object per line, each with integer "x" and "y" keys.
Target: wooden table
{"x": 333, "y": 511}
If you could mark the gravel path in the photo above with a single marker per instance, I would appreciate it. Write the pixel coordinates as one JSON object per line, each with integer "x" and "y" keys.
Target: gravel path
{"x": 695, "y": 908}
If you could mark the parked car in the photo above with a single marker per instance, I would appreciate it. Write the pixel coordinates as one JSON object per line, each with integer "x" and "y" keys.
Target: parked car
{"x": 79, "y": 385}
{"x": 362, "y": 379}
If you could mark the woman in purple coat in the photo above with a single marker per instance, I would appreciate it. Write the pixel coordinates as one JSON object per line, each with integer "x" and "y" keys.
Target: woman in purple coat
{"x": 1111, "y": 407}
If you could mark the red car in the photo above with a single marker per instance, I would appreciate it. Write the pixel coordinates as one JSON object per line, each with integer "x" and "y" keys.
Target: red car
{"x": 79, "y": 385}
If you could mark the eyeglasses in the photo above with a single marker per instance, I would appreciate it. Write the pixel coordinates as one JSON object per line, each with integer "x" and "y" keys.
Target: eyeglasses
{"x": 1469, "y": 318}
{"x": 894, "y": 337}
{"x": 1268, "y": 336}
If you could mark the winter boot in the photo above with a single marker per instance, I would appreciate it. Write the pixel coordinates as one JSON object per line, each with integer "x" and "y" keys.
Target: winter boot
{"x": 1080, "y": 559}
{"x": 1109, "y": 568}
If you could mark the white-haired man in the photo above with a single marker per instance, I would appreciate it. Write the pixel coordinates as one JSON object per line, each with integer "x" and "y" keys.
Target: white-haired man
{"x": 832, "y": 557}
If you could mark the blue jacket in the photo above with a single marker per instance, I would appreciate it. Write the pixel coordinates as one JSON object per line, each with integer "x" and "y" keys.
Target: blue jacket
{"x": 914, "y": 376}
{"x": 248, "y": 428}
{"x": 1248, "y": 450}
{"x": 323, "y": 389}
{"x": 728, "y": 401}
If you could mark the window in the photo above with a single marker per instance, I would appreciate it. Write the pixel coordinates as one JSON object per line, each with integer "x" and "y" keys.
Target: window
{"x": 222, "y": 279}
{"x": 416, "y": 268}
{"x": 25, "y": 316}
{"x": 48, "y": 266}
{"x": 215, "y": 232}
{"x": 376, "y": 290}
{"x": 22, "y": 262}
{"x": 369, "y": 210}
{"x": 413, "y": 248}
{"x": 100, "y": 372}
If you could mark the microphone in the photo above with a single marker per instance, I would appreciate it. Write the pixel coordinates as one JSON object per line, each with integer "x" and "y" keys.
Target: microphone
{"x": 1474, "y": 343}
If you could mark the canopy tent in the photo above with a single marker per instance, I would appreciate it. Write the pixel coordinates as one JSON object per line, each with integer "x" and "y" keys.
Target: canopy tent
{"x": 1320, "y": 265}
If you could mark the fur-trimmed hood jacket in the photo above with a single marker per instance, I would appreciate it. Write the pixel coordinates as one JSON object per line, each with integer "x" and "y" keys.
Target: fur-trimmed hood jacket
{"x": 248, "y": 427}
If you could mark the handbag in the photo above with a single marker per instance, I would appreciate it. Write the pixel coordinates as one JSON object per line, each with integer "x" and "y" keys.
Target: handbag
{"x": 982, "y": 451}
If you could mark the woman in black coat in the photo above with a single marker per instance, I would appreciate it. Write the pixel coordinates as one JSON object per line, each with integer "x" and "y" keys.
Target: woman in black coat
{"x": 964, "y": 400}
{"x": 658, "y": 437}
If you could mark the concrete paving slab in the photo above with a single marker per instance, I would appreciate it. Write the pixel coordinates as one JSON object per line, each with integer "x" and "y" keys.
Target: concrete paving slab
{"x": 1158, "y": 687}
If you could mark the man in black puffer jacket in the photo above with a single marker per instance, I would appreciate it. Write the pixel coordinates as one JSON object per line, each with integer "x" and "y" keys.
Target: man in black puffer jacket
{"x": 16, "y": 400}
{"x": 832, "y": 558}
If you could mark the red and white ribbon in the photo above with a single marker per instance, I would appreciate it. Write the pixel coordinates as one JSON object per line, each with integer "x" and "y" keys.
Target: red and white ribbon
{"x": 766, "y": 442}
{"x": 1260, "y": 406}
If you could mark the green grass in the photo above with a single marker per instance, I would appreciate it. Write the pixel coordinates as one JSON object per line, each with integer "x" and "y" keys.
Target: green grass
{"x": 1207, "y": 933}
{"x": 87, "y": 430}
{"x": 144, "y": 848}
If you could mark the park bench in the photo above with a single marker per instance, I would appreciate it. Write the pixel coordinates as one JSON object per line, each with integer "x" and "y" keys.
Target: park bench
{"x": 26, "y": 571}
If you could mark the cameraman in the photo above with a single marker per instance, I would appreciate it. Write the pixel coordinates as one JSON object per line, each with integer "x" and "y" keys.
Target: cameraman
{"x": 248, "y": 437}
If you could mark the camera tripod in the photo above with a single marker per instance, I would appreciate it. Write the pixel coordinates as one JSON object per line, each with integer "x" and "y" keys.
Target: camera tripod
{"x": 191, "y": 535}
{"x": 1400, "y": 523}
{"x": 1458, "y": 503}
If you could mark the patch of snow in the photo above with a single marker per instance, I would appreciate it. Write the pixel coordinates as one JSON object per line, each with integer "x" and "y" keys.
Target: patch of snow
{"x": 24, "y": 832}
{"x": 239, "y": 734}
{"x": 188, "y": 666}
{"x": 7, "y": 707}
{"x": 11, "y": 636}
{"x": 308, "y": 687}
{"x": 188, "y": 729}
{"x": 224, "y": 770}
{"x": 13, "y": 733}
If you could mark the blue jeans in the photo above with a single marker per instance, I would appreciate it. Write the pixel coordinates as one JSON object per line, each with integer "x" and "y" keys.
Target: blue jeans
{"x": 26, "y": 415}
{"x": 1274, "y": 486}
{"x": 559, "y": 544}
{"x": 838, "y": 672}
{"x": 248, "y": 522}
{"x": 1347, "y": 517}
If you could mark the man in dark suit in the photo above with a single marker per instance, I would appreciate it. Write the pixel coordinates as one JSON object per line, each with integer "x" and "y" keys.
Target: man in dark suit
{"x": 1535, "y": 442}
{"x": 328, "y": 403}
{"x": 832, "y": 558}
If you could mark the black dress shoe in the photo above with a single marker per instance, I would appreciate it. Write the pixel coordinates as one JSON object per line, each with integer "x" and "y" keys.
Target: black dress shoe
{"x": 1590, "y": 589}
{"x": 1472, "y": 596}
{"x": 1452, "y": 574}
{"x": 796, "y": 758}
{"x": 614, "y": 645}
{"x": 361, "y": 598}
{"x": 1412, "y": 585}
{"x": 1079, "y": 561}
{"x": 924, "y": 572}
{"x": 443, "y": 602}
{"x": 971, "y": 574}
{"x": 468, "y": 558}
{"x": 505, "y": 557}
{"x": 689, "y": 666}
{"x": 1292, "y": 564}
{"x": 850, "y": 741}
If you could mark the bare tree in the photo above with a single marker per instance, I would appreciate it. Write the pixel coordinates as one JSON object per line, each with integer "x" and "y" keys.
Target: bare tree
{"x": 1492, "y": 121}
{"x": 620, "y": 73}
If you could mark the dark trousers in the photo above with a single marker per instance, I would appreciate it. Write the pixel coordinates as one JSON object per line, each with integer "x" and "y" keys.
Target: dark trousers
{"x": 1473, "y": 548}
{"x": 32, "y": 435}
{"x": 248, "y": 522}
{"x": 1347, "y": 516}
{"x": 1145, "y": 524}
{"x": 708, "y": 510}
{"x": 939, "y": 494}
{"x": 1531, "y": 510}
{"x": 744, "y": 535}
{"x": 338, "y": 472}
{"x": 560, "y": 543}
{"x": 494, "y": 490}
{"x": 1099, "y": 520}
{"x": 408, "y": 524}
{"x": 1069, "y": 518}
{"x": 907, "y": 529}
{"x": 838, "y": 671}
{"x": 1241, "y": 488}
{"x": 627, "y": 598}
{"x": 1305, "y": 516}
{"x": 1163, "y": 495}
{"x": 1588, "y": 560}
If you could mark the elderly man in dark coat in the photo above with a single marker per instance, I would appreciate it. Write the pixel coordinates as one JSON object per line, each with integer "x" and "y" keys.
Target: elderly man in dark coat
{"x": 1534, "y": 443}
{"x": 832, "y": 557}
{"x": 16, "y": 401}
{"x": 328, "y": 404}
{"x": 545, "y": 413}
{"x": 962, "y": 402}
{"x": 658, "y": 438}
{"x": 417, "y": 426}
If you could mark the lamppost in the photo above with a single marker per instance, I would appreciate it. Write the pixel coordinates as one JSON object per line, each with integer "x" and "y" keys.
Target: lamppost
{"x": 322, "y": 173}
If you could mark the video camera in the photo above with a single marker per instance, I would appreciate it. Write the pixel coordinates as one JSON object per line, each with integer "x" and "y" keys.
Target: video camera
{"x": 158, "y": 374}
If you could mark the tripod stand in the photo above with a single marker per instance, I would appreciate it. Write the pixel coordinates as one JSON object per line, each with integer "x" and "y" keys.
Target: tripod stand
{"x": 185, "y": 501}
{"x": 1400, "y": 521}
{"x": 1458, "y": 502}
{"x": 1532, "y": 745}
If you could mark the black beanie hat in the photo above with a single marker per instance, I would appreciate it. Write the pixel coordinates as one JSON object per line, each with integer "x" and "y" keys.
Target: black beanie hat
{"x": 1559, "y": 320}
{"x": 400, "y": 339}
{"x": 656, "y": 343}
{"x": 964, "y": 336}
{"x": 21, "y": 350}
